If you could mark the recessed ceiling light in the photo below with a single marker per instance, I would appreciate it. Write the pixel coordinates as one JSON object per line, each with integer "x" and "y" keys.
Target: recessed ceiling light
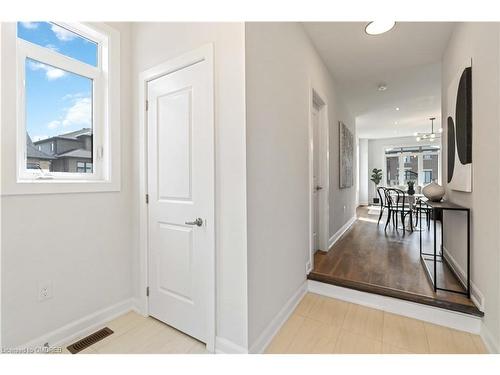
{"x": 382, "y": 87}
{"x": 379, "y": 27}
{"x": 397, "y": 108}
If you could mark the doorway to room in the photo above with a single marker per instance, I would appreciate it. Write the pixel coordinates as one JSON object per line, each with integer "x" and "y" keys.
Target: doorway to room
{"x": 319, "y": 183}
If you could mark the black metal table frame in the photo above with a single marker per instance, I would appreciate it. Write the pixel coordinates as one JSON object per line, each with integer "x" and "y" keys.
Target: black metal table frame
{"x": 435, "y": 257}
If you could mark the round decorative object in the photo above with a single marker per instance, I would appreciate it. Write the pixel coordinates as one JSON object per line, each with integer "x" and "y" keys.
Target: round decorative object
{"x": 411, "y": 189}
{"x": 433, "y": 192}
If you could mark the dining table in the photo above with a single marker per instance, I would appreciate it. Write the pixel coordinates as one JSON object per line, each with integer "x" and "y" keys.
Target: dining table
{"x": 411, "y": 200}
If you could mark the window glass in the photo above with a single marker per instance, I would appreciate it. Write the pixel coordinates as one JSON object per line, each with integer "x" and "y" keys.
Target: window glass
{"x": 392, "y": 169}
{"x": 431, "y": 165}
{"x": 410, "y": 166}
{"x": 58, "y": 117}
{"x": 59, "y": 39}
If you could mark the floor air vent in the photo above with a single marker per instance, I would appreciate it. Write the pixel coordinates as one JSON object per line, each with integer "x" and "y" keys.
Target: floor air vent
{"x": 89, "y": 340}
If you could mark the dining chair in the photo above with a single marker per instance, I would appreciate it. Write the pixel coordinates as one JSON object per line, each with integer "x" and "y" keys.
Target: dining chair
{"x": 383, "y": 201}
{"x": 398, "y": 208}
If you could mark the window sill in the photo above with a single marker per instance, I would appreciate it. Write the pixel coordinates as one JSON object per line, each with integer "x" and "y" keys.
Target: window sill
{"x": 25, "y": 187}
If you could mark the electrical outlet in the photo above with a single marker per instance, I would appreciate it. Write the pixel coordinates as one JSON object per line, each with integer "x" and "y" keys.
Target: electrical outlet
{"x": 44, "y": 290}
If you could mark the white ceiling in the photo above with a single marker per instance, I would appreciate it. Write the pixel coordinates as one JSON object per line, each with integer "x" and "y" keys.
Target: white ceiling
{"x": 406, "y": 59}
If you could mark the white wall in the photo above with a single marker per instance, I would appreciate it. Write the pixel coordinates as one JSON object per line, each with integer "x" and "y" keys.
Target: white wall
{"x": 281, "y": 64}
{"x": 155, "y": 43}
{"x": 82, "y": 243}
{"x": 363, "y": 175}
{"x": 479, "y": 41}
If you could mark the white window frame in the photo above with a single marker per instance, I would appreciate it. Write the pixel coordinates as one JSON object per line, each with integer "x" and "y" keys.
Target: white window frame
{"x": 16, "y": 178}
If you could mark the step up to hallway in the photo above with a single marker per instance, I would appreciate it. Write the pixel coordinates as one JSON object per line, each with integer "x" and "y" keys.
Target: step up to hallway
{"x": 463, "y": 308}
{"x": 459, "y": 320}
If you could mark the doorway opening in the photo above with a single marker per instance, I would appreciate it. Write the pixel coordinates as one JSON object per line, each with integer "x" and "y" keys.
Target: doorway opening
{"x": 319, "y": 178}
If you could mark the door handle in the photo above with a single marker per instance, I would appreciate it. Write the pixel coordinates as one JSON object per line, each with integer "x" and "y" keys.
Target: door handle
{"x": 197, "y": 222}
{"x": 317, "y": 188}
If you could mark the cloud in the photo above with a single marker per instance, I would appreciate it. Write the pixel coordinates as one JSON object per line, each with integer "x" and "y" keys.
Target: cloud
{"x": 62, "y": 34}
{"x": 50, "y": 72}
{"x": 52, "y": 47}
{"x": 79, "y": 114}
{"x": 30, "y": 25}
{"x": 54, "y": 124}
{"x": 75, "y": 96}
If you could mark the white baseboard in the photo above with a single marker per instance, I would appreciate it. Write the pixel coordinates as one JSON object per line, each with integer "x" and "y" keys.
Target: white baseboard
{"x": 264, "y": 339}
{"x": 489, "y": 341}
{"x": 436, "y": 315}
{"x": 82, "y": 327}
{"x": 341, "y": 231}
{"x": 225, "y": 346}
{"x": 476, "y": 295}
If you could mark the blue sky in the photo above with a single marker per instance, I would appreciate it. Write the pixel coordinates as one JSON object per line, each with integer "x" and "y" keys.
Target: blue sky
{"x": 57, "y": 101}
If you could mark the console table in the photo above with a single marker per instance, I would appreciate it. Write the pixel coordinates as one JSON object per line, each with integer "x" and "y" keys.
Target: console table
{"x": 435, "y": 257}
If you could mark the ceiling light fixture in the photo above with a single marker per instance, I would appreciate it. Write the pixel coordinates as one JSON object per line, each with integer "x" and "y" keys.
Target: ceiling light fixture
{"x": 379, "y": 27}
{"x": 397, "y": 108}
{"x": 429, "y": 136}
{"x": 382, "y": 87}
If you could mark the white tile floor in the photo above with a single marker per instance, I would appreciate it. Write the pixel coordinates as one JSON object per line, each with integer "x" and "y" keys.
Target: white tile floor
{"x": 326, "y": 325}
{"x": 318, "y": 325}
{"x": 135, "y": 334}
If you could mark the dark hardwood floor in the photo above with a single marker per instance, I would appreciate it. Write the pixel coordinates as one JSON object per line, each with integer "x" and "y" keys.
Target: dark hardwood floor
{"x": 369, "y": 259}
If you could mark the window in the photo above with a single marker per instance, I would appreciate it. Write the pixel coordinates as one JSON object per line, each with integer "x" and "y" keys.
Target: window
{"x": 416, "y": 163}
{"x": 83, "y": 167}
{"x": 410, "y": 169}
{"x": 60, "y": 39}
{"x": 427, "y": 177}
{"x": 64, "y": 102}
{"x": 62, "y": 81}
{"x": 392, "y": 171}
{"x": 61, "y": 84}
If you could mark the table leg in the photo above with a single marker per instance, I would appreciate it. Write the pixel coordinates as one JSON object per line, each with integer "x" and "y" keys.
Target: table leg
{"x": 434, "y": 212}
{"x": 468, "y": 253}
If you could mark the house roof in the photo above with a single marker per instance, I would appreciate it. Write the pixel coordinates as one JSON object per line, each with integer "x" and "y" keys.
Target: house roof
{"x": 78, "y": 153}
{"x": 34, "y": 153}
{"x": 69, "y": 136}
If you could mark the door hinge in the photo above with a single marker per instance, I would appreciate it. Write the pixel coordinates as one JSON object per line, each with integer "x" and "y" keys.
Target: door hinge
{"x": 147, "y": 105}
{"x": 147, "y": 291}
{"x": 147, "y": 198}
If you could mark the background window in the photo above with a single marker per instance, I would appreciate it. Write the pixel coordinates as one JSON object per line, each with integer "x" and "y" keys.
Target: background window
{"x": 83, "y": 167}
{"x": 410, "y": 168}
{"x": 431, "y": 166}
{"x": 392, "y": 171}
{"x": 419, "y": 164}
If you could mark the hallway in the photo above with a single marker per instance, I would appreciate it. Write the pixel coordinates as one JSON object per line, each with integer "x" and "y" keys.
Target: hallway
{"x": 369, "y": 259}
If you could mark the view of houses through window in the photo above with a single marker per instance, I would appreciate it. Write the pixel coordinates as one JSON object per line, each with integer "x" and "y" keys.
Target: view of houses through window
{"x": 419, "y": 164}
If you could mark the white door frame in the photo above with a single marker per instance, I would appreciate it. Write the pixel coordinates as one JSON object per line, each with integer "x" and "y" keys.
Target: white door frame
{"x": 203, "y": 53}
{"x": 324, "y": 171}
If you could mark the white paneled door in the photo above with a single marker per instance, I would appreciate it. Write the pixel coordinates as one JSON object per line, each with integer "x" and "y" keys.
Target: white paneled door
{"x": 181, "y": 197}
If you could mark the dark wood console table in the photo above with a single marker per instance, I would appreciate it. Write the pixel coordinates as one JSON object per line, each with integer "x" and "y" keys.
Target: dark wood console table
{"x": 435, "y": 257}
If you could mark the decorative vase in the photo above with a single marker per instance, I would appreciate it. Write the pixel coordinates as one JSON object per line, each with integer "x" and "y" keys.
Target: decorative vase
{"x": 433, "y": 192}
{"x": 411, "y": 189}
